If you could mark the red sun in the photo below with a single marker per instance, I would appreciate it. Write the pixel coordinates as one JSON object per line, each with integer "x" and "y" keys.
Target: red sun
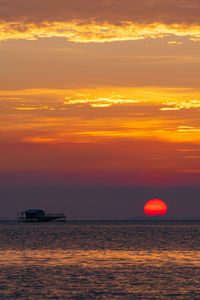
{"x": 155, "y": 207}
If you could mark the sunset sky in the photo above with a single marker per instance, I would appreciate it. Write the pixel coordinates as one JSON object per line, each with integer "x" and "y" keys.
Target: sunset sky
{"x": 100, "y": 99}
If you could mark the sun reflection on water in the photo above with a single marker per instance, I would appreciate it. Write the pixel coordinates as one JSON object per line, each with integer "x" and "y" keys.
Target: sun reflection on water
{"x": 98, "y": 258}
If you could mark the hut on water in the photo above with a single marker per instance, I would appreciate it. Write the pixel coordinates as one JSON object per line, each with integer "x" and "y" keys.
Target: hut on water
{"x": 39, "y": 215}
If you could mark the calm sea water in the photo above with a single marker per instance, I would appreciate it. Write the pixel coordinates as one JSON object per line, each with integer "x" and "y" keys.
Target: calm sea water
{"x": 100, "y": 260}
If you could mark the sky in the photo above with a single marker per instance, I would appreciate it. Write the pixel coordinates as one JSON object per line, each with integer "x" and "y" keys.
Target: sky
{"x": 100, "y": 106}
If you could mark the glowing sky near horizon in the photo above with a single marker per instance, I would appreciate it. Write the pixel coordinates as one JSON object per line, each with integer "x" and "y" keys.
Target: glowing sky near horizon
{"x": 108, "y": 87}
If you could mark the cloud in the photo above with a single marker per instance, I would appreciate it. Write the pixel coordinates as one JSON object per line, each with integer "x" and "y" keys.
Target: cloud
{"x": 94, "y": 32}
{"x": 112, "y": 11}
{"x": 43, "y": 116}
{"x": 181, "y": 104}
{"x": 100, "y": 102}
{"x": 35, "y": 108}
{"x": 39, "y": 140}
{"x": 98, "y": 21}
{"x": 175, "y": 43}
{"x": 188, "y": 129}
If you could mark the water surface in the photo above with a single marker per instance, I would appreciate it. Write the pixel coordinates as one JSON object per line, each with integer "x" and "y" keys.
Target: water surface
{"x": 100, "y": 260}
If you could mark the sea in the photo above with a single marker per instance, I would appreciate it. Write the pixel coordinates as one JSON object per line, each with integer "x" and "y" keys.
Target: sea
{"x": 100, "y": 260}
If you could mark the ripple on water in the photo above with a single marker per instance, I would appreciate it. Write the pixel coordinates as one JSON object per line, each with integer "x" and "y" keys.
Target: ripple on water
{"x": 116, "y": 260}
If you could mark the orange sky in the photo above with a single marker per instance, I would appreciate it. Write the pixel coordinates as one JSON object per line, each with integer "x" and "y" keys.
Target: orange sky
{"x": 101, "y": 87}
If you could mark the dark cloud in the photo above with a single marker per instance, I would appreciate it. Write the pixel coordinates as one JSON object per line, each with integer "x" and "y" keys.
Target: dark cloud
{"x": 114, "y": 11}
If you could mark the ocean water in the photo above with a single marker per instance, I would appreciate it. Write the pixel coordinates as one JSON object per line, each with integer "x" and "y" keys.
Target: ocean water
{"x": 100, "y": 260}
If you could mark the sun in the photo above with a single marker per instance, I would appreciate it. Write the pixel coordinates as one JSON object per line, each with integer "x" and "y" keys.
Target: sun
{"x": 155, "y": 207}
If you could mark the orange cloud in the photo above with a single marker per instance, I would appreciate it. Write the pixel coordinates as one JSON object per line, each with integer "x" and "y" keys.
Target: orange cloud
{"x": 181, "y": 104}
{"x": 101, "y": 102}
{"x": 175, "y": 43}
{"x": 95, "y": 32}
{"x": 113, "y": 11}
{"x": 39, "y": 140}
{"x": 57, "y": 116}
